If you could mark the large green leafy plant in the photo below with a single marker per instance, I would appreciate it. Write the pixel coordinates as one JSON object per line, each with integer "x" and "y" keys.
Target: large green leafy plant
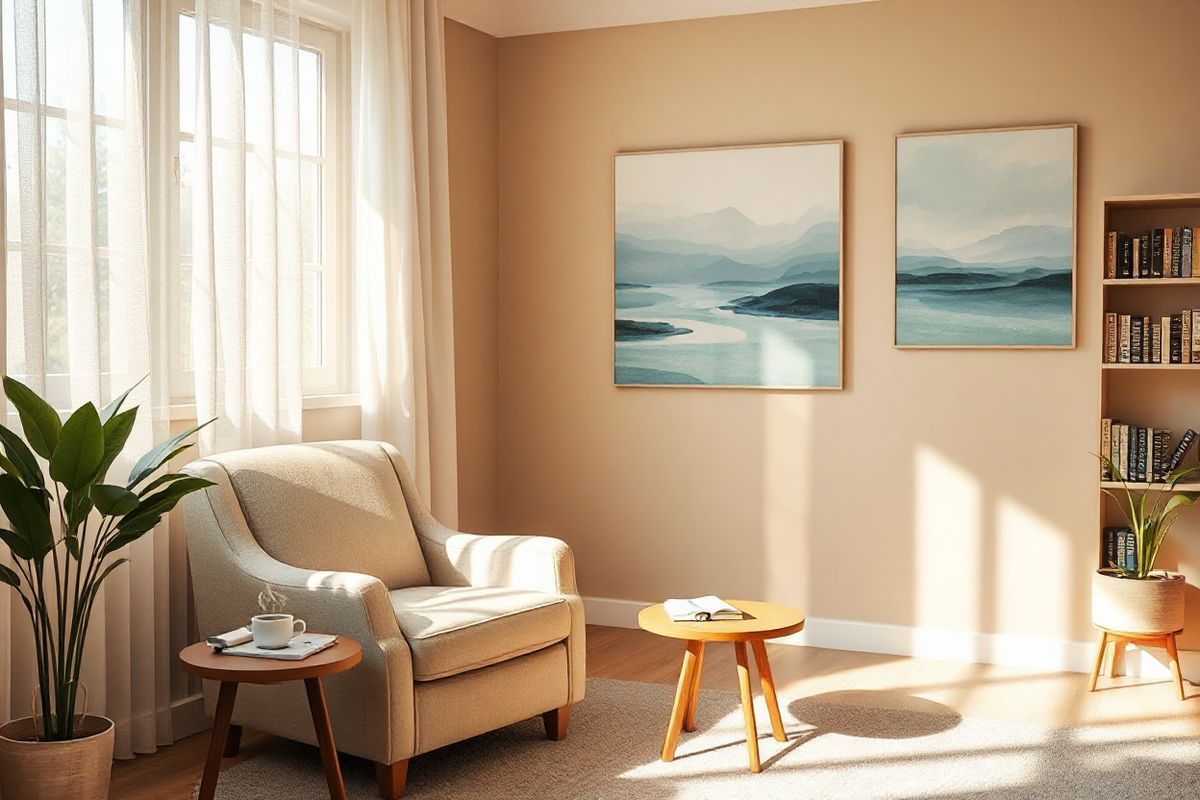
{"x": 1150, "y": 513}
{"x": 64, "y": 533}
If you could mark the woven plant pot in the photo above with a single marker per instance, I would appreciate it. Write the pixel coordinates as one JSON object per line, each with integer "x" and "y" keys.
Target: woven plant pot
{"x": 1130, "y": 605}
{"x": 35, "y": 770}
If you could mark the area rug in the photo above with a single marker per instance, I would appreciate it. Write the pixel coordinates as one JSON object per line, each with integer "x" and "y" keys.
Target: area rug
{"x": 851, "y": 745}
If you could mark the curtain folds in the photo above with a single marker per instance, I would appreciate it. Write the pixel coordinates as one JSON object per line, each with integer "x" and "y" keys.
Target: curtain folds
{"x": 403, "y": 297}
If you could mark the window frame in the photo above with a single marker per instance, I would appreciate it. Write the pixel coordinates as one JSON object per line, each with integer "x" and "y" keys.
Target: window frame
{"x": 322, "y": 384}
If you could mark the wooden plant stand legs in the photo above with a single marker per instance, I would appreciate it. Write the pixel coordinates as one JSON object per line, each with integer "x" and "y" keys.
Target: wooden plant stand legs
{"x": 1119, "y": 638}
{"x": 687, "y": 694}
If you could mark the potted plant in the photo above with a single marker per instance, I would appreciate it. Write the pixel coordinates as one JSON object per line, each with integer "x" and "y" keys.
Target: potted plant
{"x": 1138, "y": 599}
{"x": 66, "y": 527}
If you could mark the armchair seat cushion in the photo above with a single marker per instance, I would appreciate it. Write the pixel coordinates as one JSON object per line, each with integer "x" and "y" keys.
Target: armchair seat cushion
{"x": 453, "y": 629}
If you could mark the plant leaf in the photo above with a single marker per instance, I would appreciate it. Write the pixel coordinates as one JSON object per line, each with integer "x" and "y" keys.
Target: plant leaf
{"x": 38, "y": 418}
{"x": 129, "y": 534}
{"x": 112, "y": 408}
{"x": 22, "y": 458}
{"x": 17, "y": 543}
{"x": 116, "y": 434}
{"x": 113, "y": 501}
{"x": 80, "y": 448}
{"x": 10, "y": 577}
{"x": 163, "y": 500}
{"x": 23, "y": 507}
{"x": 160, "y": 454}
{"x": 107, "y": 571}
{"x": 160, "y": 480}
{"x": 77, "y": 505}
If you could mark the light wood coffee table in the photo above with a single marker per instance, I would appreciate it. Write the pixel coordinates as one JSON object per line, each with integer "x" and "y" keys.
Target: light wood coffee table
{"x": 762, "y": 621}
{"x": 199, "y": 659}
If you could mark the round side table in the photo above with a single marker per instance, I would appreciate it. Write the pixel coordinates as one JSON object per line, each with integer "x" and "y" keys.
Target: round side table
{"x": 761, "y": 621}
{"x": 200, "y": 660}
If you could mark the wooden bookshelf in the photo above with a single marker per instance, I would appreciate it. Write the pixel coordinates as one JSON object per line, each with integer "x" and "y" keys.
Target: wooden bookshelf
{"x": 1148, "y": 395}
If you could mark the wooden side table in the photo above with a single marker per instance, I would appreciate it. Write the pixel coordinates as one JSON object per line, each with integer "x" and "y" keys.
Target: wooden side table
{"x": 762, "y": 621}
{"x": 199, "y": 659}
{"x": 1119, "y": 638}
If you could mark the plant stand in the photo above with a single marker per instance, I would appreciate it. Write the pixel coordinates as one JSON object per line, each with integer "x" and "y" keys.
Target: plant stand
{"x": 1118, "y": 638}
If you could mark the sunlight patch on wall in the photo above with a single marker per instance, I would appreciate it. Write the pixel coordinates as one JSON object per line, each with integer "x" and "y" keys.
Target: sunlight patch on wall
{"x": 1029, "y": 549}
{"x": 787, "y": 498}
{"x": 946, "y": 543}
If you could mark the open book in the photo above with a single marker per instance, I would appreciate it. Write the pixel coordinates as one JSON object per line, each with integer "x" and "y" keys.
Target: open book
{"x": 301, "y": 647}
{"x": 700, "y": 609}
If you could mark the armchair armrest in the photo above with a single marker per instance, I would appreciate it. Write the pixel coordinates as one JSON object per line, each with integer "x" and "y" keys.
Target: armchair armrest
{"x": 538, "y": 563}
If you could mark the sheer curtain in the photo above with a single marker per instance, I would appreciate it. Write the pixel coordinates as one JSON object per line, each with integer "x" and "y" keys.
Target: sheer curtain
{"x": 246, "y": 286}
{"x": 79, "y": 317}
{"x": 404, "y": 303}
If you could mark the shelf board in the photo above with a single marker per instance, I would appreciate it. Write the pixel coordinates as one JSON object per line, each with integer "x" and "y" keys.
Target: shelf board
{"x": 1148, "y": 282}
{"x": 1151, "y": 366}
{"x": 1153, "y": 201}
{"x": 1187, "y": 486}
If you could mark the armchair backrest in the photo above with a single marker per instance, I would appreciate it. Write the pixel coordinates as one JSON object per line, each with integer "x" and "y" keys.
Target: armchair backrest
{"x": 335, "y": 506}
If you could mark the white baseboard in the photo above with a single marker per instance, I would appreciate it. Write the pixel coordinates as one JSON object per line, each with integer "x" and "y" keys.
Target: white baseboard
{"x": 188, "y": 717}
{"x": 1029, "y": 652}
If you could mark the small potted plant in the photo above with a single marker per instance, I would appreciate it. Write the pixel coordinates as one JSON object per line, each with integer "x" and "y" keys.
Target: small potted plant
{"x": 66, "y": 526}
{"x": 1137, "y": 598}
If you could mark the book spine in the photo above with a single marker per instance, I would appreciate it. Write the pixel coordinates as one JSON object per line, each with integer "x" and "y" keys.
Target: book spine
{"x": 1151, "y": 461}
{"x": 1181, "y": 449}
{"x": 1170, "y": 250}
{"x": 1114, "y": 455}
{"x": 1176, "y": 338}
{"x": 1155, "y": 343}
{"x": 1195, "y": 343}
{"x": 1143, "y": 265}
{"x": 1110, "y": 254}
{"x": 1185, "y": 338}
{"x": 1165, "y": 354}
{"x": 1110, "y": 337}
{"x": 1143, "y": 454}
{"x": 1135, "y": 340}
{"x": 1147, "y": 340}
{"x": 1185, "y": 248}
{"x": 1105, "y": 447}
{"x": 1123, "y": 322}
{"x": 1176, "y": 253}
{"x": 1123, "y": 460}
{"x": 1125, "y": 262}
{"x": 1156, "y": 253}
{"x": 1110, "y": 547}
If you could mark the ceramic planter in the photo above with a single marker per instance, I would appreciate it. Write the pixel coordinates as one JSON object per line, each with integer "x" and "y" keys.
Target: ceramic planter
{"x": 33, "y": 770}
{"x": 1151, "y": 605}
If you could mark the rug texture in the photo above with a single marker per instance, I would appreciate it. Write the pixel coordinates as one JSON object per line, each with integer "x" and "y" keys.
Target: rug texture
{"x": 851, "y": 745}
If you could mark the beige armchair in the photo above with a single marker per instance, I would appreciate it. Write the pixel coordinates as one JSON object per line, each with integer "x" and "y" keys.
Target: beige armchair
{"x": 461, "y": 633}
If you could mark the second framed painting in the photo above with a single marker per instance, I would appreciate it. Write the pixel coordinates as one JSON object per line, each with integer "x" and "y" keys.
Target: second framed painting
{"x": 727, "y": 267}
{"x": 985, "y": 238}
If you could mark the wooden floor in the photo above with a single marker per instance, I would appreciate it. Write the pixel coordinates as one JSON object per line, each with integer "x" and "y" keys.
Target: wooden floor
{"x": 1140, "y": 708}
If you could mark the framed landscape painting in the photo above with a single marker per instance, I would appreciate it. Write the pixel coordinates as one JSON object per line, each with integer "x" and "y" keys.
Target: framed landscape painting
{"x": 727, "y": 267}
{"x": 985, "y": 238}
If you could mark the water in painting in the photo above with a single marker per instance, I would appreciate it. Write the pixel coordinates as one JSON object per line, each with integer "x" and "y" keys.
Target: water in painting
{"x": 727, "y": 266}
{"x": 985, "y": 239}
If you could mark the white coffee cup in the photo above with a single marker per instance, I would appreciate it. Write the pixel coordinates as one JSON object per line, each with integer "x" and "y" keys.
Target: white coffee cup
{"x": 275, "y": 631}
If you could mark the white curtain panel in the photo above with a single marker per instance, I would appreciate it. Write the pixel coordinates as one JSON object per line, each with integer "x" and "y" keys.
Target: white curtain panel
{"x": 79, "y": 314}
{"x": 246, "y": 283}
{"x": 403, "y": 297}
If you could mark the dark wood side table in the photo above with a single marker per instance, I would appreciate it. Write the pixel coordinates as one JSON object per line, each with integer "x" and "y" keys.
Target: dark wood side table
{"x": 200, "y": 660}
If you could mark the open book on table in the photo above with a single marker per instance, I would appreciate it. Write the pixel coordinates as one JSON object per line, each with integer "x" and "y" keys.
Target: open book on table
{"x": 700, "y": 609}
{"x": 301, "y": 647}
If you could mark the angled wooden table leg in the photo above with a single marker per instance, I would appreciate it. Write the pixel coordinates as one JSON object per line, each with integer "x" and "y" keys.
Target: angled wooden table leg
{"x": 689, "y": 719}
{"x": 682, "y": 696}
{"x": 320, "y": 717}
{"x": 768, "y": 686}
{"x": 743, "y": 669}
{"x": 1112, "y": 664}
{"x": 216, "y": 742}
{"x": 1173, "y": 654}
{"x": 1099, "y": 660}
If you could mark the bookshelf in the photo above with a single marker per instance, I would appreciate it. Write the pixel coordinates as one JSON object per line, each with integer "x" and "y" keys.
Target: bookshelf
{"x": 1160, "y": 396}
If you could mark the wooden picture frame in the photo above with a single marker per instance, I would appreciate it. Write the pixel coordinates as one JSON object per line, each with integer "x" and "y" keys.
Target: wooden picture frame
{"x": 744, "y": 304}
{"x": 1048, "y": 269}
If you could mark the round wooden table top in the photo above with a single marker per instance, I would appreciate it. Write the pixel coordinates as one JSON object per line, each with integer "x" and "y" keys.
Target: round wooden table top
{"x": 200, "y": 659}
{"x": 760, "y": 621}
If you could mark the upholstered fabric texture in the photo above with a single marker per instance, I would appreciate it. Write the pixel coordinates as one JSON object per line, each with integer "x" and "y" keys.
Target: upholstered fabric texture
{"x": 531, "y": 661}
{"x": 333, "y": 506}
{"x": 452, "y": 629}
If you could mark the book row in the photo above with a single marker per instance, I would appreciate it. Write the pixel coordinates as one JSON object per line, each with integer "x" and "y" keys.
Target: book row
{"x": 1140, "y": 455}
{"x": 1120, "y": 548}
{"x": 1138, "y": 339}
{"x": 1157, "y": 253}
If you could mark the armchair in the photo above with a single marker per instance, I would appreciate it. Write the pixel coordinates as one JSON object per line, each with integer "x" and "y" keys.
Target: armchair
{"x": 461, "y": 633}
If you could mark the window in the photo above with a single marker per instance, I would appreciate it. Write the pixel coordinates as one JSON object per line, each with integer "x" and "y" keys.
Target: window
{"x": 325, "y": 340}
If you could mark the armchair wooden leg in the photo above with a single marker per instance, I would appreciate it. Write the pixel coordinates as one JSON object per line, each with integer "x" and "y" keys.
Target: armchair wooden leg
{"x": 233, "y": 741}
{"x": 392, "y": 779}
{"x": 556, "y": 722}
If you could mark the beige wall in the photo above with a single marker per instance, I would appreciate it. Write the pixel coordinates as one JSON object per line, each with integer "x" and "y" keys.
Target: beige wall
{"x": 473, "y": 98}
{"x": 943, "y": 489}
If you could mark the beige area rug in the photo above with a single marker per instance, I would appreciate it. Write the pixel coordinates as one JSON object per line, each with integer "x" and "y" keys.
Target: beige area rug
{"x": 852, "y": 745}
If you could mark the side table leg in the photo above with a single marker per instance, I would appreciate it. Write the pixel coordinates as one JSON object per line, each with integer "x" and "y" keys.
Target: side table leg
{"x": 216, "y": 742}
{"x": 743, "y": 670}
{"x": 689, "y": 719}
{"x": 320, "y": 717}
{"x": 768, "y": 686}
{"x": 682, "y": 695}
